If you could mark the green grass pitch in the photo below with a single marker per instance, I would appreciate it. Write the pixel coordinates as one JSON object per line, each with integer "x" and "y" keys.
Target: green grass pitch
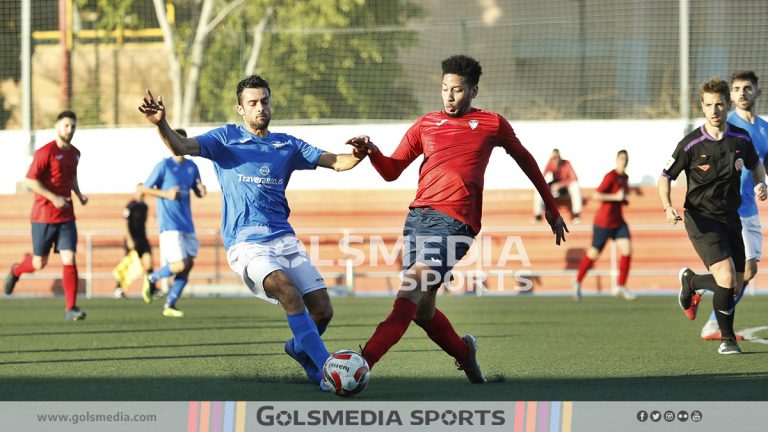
{"x": 531, "y": 348}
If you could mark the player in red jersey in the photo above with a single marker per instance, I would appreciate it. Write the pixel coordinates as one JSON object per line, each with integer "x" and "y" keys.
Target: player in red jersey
{"x": 445, "y": 215}
{"x": 52, "y": 176}
{"x": 609, "y": 223}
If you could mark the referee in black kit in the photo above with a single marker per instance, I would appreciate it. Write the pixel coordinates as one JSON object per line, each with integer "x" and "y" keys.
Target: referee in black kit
{"x": 712, "y": 157}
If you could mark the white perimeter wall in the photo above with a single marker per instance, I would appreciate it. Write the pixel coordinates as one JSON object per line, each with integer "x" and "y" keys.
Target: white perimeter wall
{"x": 114, "y": 160}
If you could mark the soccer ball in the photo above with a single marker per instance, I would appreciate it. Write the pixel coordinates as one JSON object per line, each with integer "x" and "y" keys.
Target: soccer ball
{"x": 345, "y": 373}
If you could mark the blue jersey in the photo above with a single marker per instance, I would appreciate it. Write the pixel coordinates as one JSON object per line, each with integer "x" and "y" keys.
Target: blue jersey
{"x": 253, "y": 173}
{"x": 759, "y": 134}
{"x": 174, "y": 215}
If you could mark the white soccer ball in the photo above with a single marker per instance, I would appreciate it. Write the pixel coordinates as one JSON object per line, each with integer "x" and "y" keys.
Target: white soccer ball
{"x": 345, "y": 373}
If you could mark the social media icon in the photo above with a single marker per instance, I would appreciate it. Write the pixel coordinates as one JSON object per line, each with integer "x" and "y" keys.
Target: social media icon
{"x": 682, "y": 416}
{"x": 642, "y": 416}
{"x": 655, "y": 416}
{"x": 696, "y": 416}
{"x": 669, "y": 416}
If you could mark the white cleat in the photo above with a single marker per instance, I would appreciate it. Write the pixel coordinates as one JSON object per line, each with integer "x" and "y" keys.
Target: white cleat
{"x": 576, "y": 291}
{"x": 622, "y": 291}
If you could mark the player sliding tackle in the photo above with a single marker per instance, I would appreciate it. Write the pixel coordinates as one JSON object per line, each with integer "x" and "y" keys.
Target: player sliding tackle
{"x": 445, "y": 216}
{"x": 253, "y": 166}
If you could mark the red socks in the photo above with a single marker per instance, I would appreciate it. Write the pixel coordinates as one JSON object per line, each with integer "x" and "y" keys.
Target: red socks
{"x": 440, "y": 330}
{"x": 25, "y": 266}
{"x": 584, "y": 267}
{"x": 624, "y": 269}
{"x": 69, "y": 282}
{"x": 389, "y": 331}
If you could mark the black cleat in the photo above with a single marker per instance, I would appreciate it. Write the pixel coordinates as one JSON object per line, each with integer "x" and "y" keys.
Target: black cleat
{"x": 10, "y": 280}
{"x": 74, "y": 314}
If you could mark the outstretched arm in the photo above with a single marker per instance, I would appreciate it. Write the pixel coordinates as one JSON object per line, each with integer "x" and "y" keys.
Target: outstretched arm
{"x": 341, "y": 162}
{"x": 154, "y": 112}
{"x": 389, "y": 167}
{"x": 170, "y": 194}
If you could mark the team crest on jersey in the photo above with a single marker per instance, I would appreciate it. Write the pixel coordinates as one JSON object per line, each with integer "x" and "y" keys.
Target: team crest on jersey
{"x": 473, "y": 124}
{"x": 264, "y": 170}
{"x": 739, "y": 164}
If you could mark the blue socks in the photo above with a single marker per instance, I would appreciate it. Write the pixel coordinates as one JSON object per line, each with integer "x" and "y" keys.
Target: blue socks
{"x": 175, "y": 292}
{"x": 164, "y": 272}
{"x": 307, "y": 338}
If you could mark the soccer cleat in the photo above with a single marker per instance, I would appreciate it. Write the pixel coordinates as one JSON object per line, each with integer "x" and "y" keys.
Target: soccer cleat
{"x": 688, "y": 299}
{"x": 576, "y": 290}
{"x": 10, "y": 280}
{"x": 622, "y": 291}
{"x": 147, "y": 290}
{"x": 304, "y": 360}
{"x": 729, "y": 346}
{"x": 471, "y": 367}
{"x": 172, "y": 312}
{"x": 119, "y": 293}
{"x": 711, "y": 331}
{"x": 74, "y": 314}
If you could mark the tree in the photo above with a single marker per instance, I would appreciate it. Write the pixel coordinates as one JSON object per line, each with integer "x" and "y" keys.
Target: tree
{"x": 324, "y": 59}
{"x": 185, "y": 87}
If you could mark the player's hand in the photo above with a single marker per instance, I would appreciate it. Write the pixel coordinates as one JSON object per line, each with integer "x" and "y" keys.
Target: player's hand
{"x": 201, "y": 189}
{"x": 362, "y": 145}
{"x": 760, "y": 192}
{"x": 671, "y": 214}
{"x": 60, "y": 202}
{"x": 172, "y": 193}
{"x": 129, "y": 242}
{"x": 558, "y": 227}
{"x": 153, "y": 110}
{"x": 83, "y": 199}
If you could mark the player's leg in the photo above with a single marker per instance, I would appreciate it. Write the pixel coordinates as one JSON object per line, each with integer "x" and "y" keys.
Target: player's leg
{"x": 298, "y": 266}
{"x": 66, "y": 246}
{"x": 172, "y": 256}
{"x": 600, "y": 236}
{"x": 43, "y": 237}
{"x": 119, "y": 292}
{"x": 433, "y": 243}
{"x": 189, "y": 246}
{"x": 576, "y": 201}
{"x": 709, "y": 239}
{"x": 751, "y": 233}
{"x": 624, "y": 247}
{"x": 279, "y": 285}
{"x": 723, "y": 303}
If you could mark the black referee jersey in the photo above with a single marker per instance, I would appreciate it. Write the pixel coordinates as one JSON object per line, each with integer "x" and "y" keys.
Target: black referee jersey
{"x": 713, "y": 169}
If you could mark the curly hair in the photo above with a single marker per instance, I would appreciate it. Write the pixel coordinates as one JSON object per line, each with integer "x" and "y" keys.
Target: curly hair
{"x": 463, "y": 66}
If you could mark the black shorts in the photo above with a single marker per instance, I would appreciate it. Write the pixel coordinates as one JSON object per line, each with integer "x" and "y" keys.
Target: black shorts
{"x": 716, "y": 240}
{"x": 434, "y": 238}
{"x": 600, "y": 235}
{"x": 60, "y": 236}
{"x": 141, "y": 245}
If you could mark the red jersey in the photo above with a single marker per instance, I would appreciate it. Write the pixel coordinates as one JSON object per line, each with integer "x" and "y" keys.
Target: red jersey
{"x": 609, "y": 214}
{"x": 56, "y": 169}
{"x": 456, "y": 152}
{"x": 563, "y": 173}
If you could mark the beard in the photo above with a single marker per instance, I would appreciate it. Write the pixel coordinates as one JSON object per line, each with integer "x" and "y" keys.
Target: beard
{"x": 259, "y": 124}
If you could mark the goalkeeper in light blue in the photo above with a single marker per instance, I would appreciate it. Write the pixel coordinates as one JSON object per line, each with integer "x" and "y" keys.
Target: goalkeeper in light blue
{"x": 254, "y": 166}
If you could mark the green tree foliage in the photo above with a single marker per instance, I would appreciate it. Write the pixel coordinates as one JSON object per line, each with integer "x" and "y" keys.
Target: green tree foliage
{"x": 323, "y": 59}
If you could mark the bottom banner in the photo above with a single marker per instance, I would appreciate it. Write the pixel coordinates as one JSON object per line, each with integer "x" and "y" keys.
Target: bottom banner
{"x": 351, "y": 415}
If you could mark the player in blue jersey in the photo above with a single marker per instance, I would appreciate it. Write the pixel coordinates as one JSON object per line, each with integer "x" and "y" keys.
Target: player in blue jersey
{"x": 254, "y": 166}
{"x": 171, "y": 182}
{"x": 744, "y": 94}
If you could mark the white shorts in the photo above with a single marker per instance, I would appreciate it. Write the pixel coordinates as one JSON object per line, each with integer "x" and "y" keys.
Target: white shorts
{"x": 751, "y": 232}
{"x": 255, "y": 261}
{"x": 177, "y": 245}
